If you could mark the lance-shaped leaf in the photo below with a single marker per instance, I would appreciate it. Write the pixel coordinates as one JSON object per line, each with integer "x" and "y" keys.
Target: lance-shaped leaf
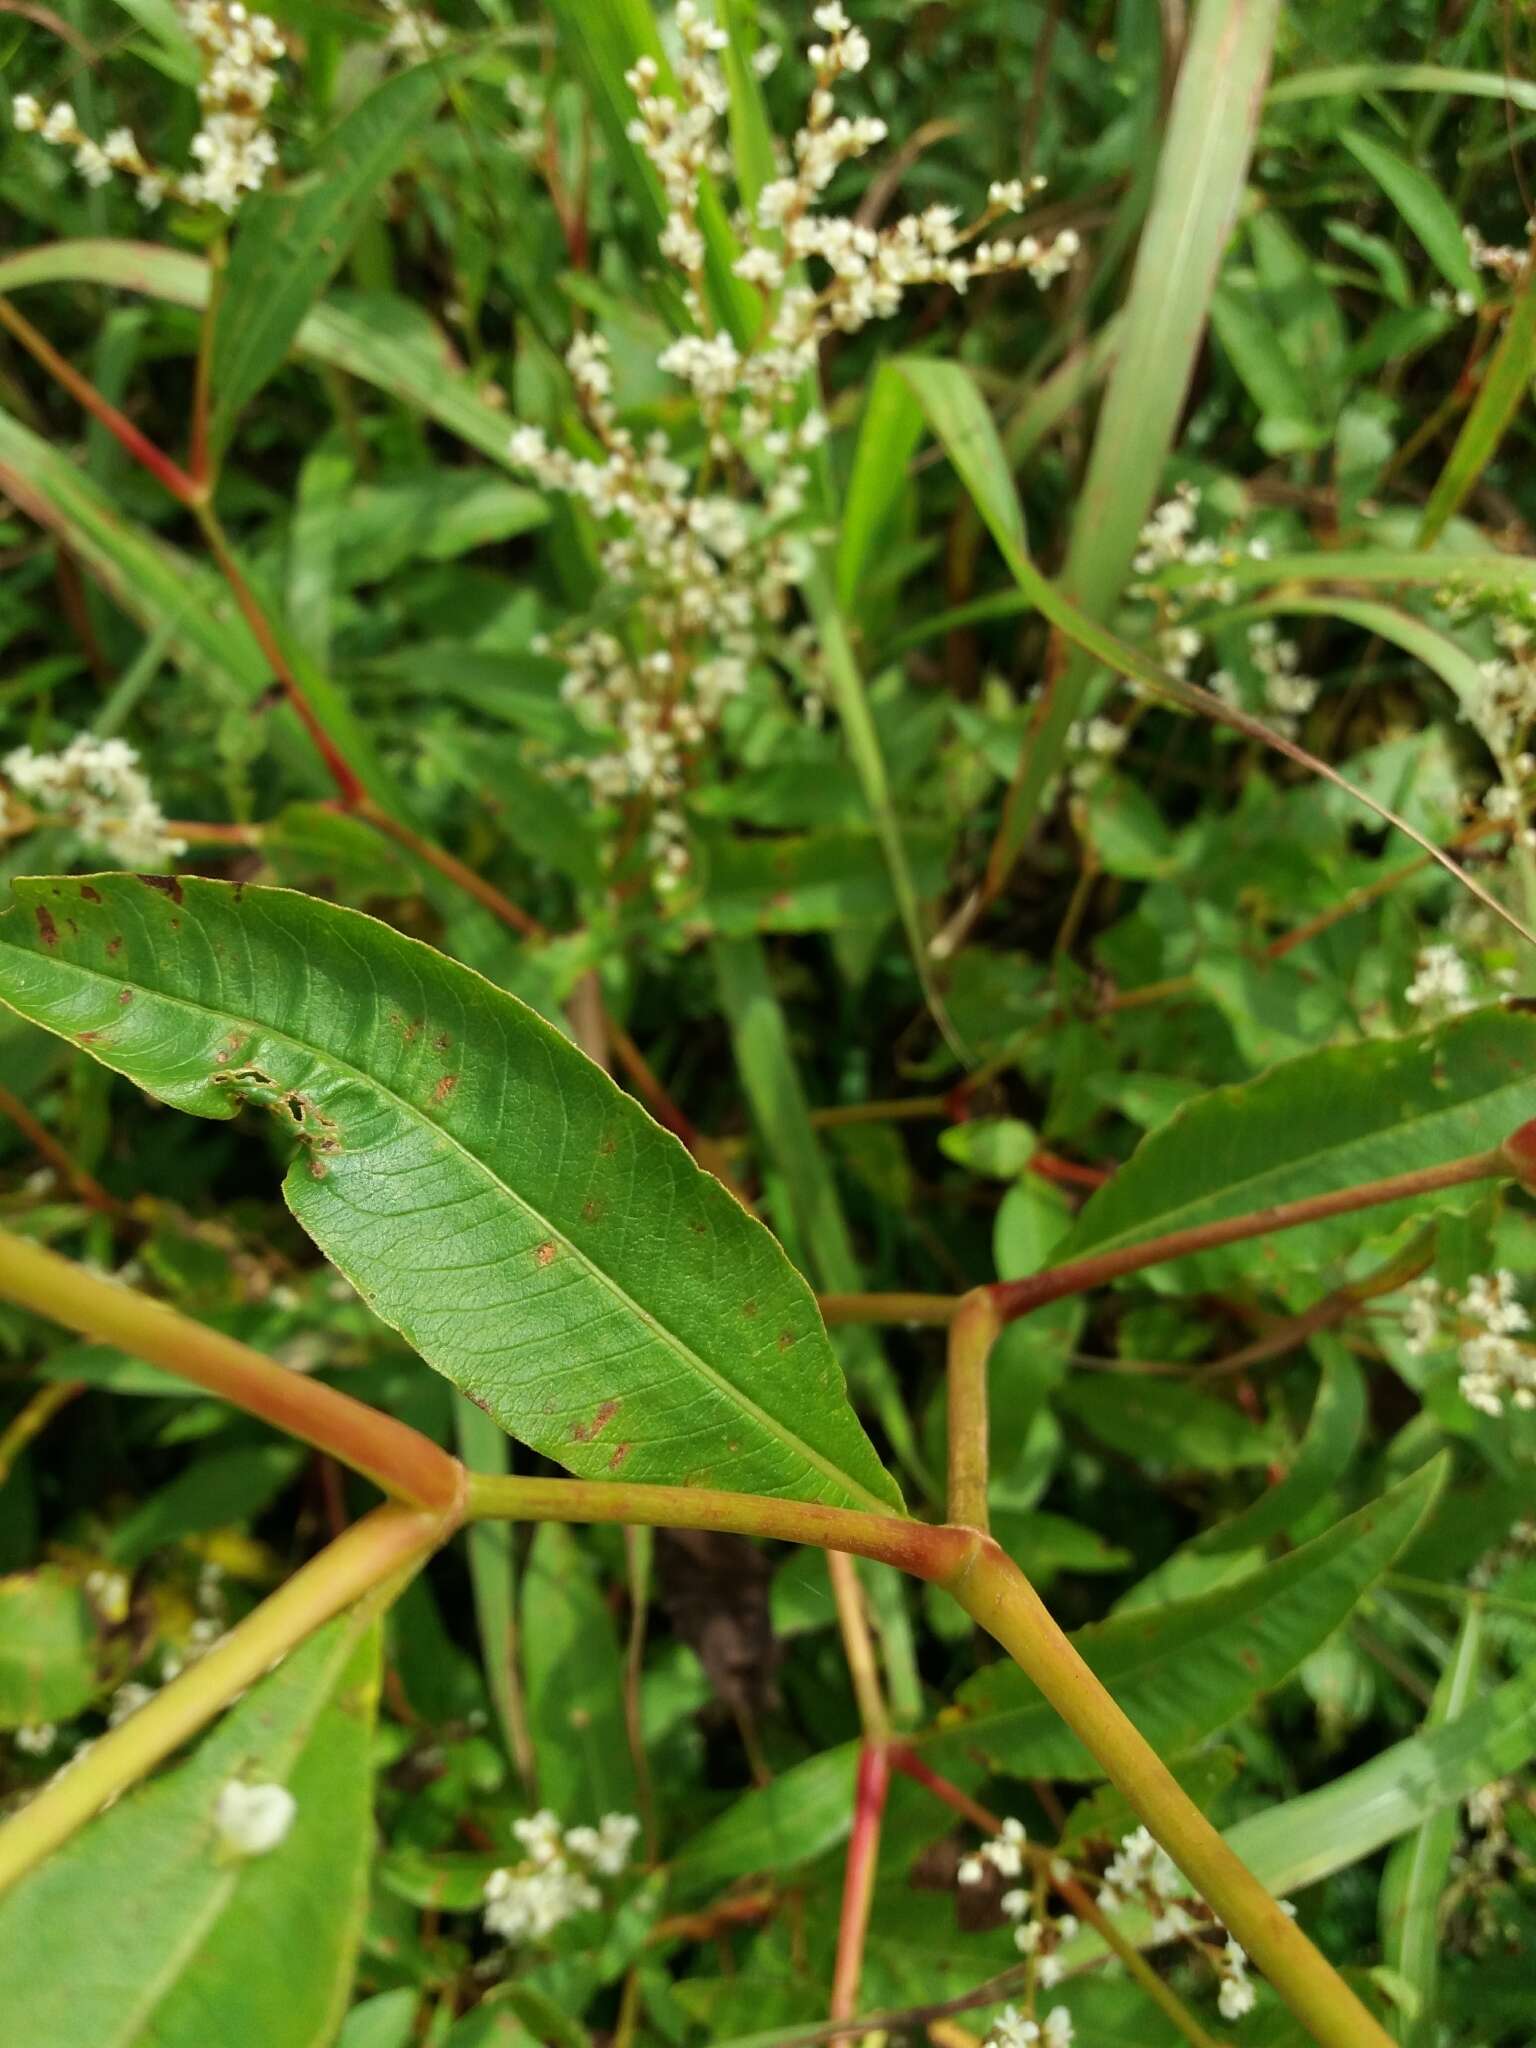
{"x": 1327, "y": 1120}
{"x": 485, "y": 1187}
{"x": 147, "y": 1926}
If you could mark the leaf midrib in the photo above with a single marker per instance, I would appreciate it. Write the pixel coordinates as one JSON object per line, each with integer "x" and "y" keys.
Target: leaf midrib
{"x": 684, "y": 1352}
{"x": 1132, "y": 1234}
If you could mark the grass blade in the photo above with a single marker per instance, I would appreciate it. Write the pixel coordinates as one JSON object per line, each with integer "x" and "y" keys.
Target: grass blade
{"x": 1200, "y": 179}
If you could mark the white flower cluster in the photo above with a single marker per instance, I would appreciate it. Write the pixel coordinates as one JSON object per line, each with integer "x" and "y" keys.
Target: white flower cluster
{"x": 98, "y": 788}
{"x": 1288, "y": 694}
{"x": 1442, "y": 984}
{"x": 1092, "y": 743}
{"x": 1033, "y": 1935}
{"x": 554, "y": 1881}
{"x": 252, "y": 1820}
{"x": 413, "y": 32}
{"x": 1169, "y": 536}
{"x": 1506, "y": 263}
{"x": 708, "y": 548}
{"x": 1505, "y": 708}
{"x": 232, "y": 149}
{"x": 1236, "y": 1995}
{"x": 1143, "y": 1873}
{"x": 36, "y": 1738}
{"x": 1012, "y": 2030}
{"x": 1488, "y": 1320}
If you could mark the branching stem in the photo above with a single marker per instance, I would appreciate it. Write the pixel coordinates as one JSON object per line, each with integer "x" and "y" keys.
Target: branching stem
{"x": 399, "y": 1459}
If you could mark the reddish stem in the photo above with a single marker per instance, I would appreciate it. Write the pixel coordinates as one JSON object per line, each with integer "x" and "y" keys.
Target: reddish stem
{"x": 184, "y": 488}
{"x": 859, "y": 1877}
{"x": 1013, "y": 1298}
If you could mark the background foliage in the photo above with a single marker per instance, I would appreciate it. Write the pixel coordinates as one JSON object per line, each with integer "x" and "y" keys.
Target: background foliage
{"x": 1197, "y": 978}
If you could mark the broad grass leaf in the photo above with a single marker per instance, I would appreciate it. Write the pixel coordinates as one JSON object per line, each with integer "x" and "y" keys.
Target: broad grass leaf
{"x": 487, "y": 1189}
{"x": 889, "y": 433}
{"x": 1325, "y": 1121}
{"x": 290, "y": 244}
{"x": 1185, "y": 1670}
{"x": 1304, "y": 1840}
{"x": 1419, "y": 1867}
{"x": 957, "y": 414}
{"x": 138, "y": 1929}
{"x": 1505, "y": 386}
{"x": 1201, "y": 174}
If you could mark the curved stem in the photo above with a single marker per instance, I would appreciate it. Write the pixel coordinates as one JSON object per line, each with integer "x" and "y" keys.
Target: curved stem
{"x": 924, "y": 1550}
{"x": 395, "y": 1457}
{"x": 390, "y": 1541}
{"x": 972, "y": 1334}
{"x": 1014, "y": 1298}
{"x": 996, "y": 1594}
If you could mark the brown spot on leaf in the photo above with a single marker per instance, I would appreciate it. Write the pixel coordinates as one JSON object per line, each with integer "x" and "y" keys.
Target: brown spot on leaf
{"x": 114, "y": 945}
{"x": 591, "y": 1209}
{"x": 786, "y": 1339}
{"x": 544, "y": 1254}
{"x": 749, "y": 1309}
{"x": 620, "y": 1453}
{"x": 442, "y": 1041}
{"x": 88, "y": 894}
{"x": 608, "y": 1146}
{"x": 125, "y": 995}
{"x": 47, "y": 929}
{"x": 445, "y": 1087}
{"x": 166, "y": 884}
{"x": 584, "y": 1432}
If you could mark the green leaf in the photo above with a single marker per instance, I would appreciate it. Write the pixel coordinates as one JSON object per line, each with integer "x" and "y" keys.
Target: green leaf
{"x": 888, "y": 436}
{"x": 957, "y": 413}
{"x": 211, "y": 1493}
{"x": 1000, "y": 1145}
{"x": 575, "y": 1682}
{"x": 1422, "y": 205}
{"x": 289, "y": 245}
{"x": 375, "y": 336}
{"x": 387, "y": 2021}
{"x": 1184, "y": 1670}
{"x": 1322, "y": 1458}
{"x": 1328, "y": 1120}
{"x": 49, "y": 1648}
{"x": 1505, "y": 386}
{"x": 1166, "y": 1423}
{"x": 1201, "y": 174}
{"x": 173, "y": 597}
{"x": 803, "y": 1812}
{"x": 766, "y": 1062}
{"x": 1307, "y": 1839}
{"x": 487, "y": 1189}
{"x": 816, "y": 881}
{"x": 138, "y": 1929}
{"x": 1418, "y": 1869}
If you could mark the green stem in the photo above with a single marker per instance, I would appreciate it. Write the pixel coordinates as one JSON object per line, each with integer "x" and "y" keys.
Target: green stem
{"x": 920, "y": 1548}
{"x": 1013, "y": 1298}
{"x": 395, "y": 1457}
{"x": 972, "y": 1334}
{"x": 996, "y": 1594}
{"x": 390, "y": 1541}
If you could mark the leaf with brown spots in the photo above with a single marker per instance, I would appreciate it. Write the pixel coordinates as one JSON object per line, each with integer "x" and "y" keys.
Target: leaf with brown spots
{"x": 526, "y": 1225}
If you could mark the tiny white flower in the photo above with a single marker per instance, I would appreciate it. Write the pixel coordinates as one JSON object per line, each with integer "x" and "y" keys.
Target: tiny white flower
{"x": 252, "y": 1820}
